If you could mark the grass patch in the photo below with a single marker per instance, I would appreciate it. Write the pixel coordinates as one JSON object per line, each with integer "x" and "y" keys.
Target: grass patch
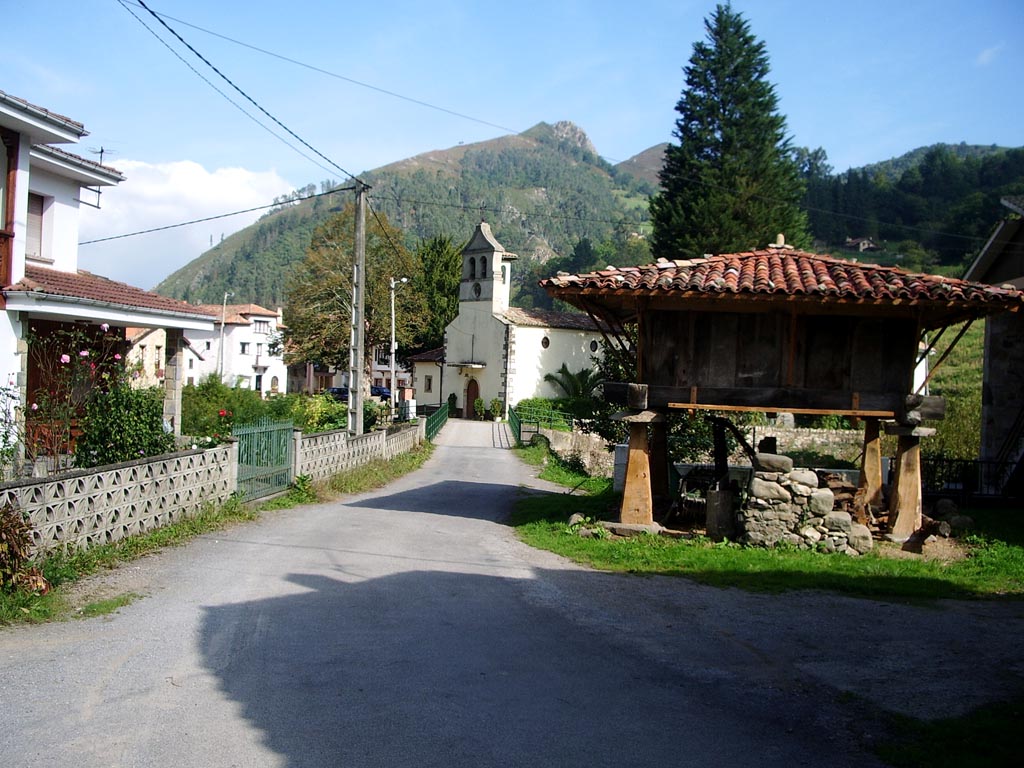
{"x": 994, "y": 568}
{"x": 64, "y": 568}
{"x": 110, "y": 605}
{"x": 981, "y": 738}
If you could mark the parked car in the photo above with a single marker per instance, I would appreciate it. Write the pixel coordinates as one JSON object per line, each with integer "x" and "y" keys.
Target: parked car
{"x": 338, "y": 393}
{"x": 382, "y": 392}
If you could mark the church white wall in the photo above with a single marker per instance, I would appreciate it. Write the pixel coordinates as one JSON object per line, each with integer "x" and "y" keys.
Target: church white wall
{"x": 531, "y": 361}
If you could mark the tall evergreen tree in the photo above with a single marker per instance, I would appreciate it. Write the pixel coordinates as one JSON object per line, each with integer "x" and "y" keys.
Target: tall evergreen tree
{"x": 731, "y": 182}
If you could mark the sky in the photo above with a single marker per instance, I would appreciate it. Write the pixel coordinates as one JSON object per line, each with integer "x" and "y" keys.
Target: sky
{"x": 366, "y": 84}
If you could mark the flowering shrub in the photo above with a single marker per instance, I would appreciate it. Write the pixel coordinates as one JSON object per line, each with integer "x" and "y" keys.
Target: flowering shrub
{"x": 122, "y": 423}
{"x": 67, "y": 364}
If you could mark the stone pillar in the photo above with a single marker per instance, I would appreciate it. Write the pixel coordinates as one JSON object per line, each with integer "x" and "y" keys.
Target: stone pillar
{"x": 174, "y": 352}
{"x": 905, "y": 501}
{"x": 870, "y": 480}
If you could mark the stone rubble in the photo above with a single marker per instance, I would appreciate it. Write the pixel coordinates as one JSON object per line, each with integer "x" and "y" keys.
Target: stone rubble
{"x": 795, "y": 507}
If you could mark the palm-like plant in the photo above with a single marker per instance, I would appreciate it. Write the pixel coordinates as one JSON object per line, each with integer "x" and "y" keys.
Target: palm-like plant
{"x": 577, "y": 386}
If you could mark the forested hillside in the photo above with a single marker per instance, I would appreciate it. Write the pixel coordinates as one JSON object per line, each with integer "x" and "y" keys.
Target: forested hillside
{"x": 929, "y": 210}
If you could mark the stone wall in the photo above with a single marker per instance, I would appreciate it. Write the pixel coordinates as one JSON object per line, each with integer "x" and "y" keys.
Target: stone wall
{"x": 591, "y": 450}
{"x": 789, "y": 505}
{"x": 845, "y": 444}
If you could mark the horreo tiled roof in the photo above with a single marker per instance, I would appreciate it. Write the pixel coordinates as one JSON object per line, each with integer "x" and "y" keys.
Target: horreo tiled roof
{"x": 780, "y": 273}
{"x": 93, "y": 288}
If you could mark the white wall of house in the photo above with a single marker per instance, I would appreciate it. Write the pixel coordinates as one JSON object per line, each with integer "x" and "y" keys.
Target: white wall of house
{"x": 59, "y": 236}
{"x": 247, "y": 360}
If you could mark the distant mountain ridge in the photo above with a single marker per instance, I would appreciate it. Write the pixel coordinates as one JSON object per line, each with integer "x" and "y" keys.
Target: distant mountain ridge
{"x": 542, "y": 191}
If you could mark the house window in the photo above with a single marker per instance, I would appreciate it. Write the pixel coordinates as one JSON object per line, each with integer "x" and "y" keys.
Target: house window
{"x": 274, "y": 383}
{"x": 244, "y": 348}
{"x": 157, "y": 360}
{"x": 545, "y": 342}
{"x": 259, "y": 350}
{"x": 593, "y": 346}
{"x": 261, "y": 326}
{"x": 382, "y": 356}
{"x": 34, "y": 236}
{"x": 191, "y": 363}
{"x": 191, "y": 381}
{"x": 208, "y": 346}
{"x": 258, "y": 386}
{"x": 428, "y": 383}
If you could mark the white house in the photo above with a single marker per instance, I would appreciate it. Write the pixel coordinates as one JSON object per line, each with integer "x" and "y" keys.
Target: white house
{"x": 41, "y": 187}
{"x": 244, "y": 346}
{"x": 494, "y": 351}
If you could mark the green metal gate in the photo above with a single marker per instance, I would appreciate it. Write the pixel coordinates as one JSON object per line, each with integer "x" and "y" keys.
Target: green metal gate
{"x": 264, "y": 457}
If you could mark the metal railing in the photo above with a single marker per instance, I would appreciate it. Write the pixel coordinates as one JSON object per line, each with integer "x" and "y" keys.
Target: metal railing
{"x": 516, "y": 425}
{"x": 435, "y": 421}
{"x": 965, "y": 479}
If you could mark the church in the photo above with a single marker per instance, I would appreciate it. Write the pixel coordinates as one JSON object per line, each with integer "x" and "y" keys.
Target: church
{"x": 493, "y": 351}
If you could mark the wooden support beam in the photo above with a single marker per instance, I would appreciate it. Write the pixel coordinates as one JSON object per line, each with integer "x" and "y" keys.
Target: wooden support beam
{"x": 905, "y": 504}
{"x": 659, "y": 460}
{"x": 637, "y": 499}
{"x": 869, "y": 484}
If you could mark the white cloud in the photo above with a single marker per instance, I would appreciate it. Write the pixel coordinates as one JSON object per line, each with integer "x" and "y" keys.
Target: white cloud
{"x": 160, "y": 195}
{"x": 989, "y": 55}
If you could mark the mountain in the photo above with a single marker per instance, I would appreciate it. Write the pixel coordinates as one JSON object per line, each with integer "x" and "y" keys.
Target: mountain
{"x": 542, "y": 191}
{"x": 646, "y": 166}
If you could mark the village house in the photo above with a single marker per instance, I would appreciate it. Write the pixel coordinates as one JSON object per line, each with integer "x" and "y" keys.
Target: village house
{"x": 244, "y": 348}
{"x": 41, "y": 186}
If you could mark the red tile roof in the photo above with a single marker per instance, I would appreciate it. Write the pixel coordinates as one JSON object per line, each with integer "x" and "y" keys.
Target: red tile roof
{"x": 548, "y": 318}
{"x": 237, "y": 314}
{"x": 780, "y": 273}
{"x": 85, "y": 285}
{"x": 430, "y": 356}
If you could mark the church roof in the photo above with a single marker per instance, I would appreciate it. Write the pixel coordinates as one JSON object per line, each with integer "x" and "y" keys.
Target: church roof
{"x": 549, "y": 318}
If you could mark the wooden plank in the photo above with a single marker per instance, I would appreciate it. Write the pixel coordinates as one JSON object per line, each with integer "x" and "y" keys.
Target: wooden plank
{"x": 760, "y": 409}
{"x": 905, "y": 504}
{"x": 870, "y": 480}
{"x": 790, "y": 399}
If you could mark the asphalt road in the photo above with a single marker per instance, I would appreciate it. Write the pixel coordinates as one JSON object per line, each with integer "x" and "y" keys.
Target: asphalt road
{"x": 409, "y": 627}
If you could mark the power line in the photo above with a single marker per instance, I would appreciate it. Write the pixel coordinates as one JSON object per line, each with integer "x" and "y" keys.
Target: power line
{"x": 336, "y": 76}
{"x": 208, "y": 218}
{"x": 231, "y": 101}
{"x": 247, "y": 96}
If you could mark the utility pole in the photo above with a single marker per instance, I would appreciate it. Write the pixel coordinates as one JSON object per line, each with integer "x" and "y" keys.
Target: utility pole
{"x": 358, "y": 335}
{"x": 394, "y": 347}
{"x": 220, "y": 348}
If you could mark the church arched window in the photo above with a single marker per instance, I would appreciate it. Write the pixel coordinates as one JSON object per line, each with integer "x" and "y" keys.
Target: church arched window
{"x": 472, "y": 268}
{"x": 483, "y": 266}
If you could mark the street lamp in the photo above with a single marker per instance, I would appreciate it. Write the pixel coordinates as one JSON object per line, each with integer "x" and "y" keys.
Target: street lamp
{"x": 394, "y": 283}
{"x": 220, "y": 350}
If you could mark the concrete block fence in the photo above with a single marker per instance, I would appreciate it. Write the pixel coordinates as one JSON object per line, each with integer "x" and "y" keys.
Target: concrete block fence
{"x": 83, "y": 508}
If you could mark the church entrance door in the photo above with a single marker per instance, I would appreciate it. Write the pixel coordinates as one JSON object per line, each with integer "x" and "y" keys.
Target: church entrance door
{"x": 472, "y": 393}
